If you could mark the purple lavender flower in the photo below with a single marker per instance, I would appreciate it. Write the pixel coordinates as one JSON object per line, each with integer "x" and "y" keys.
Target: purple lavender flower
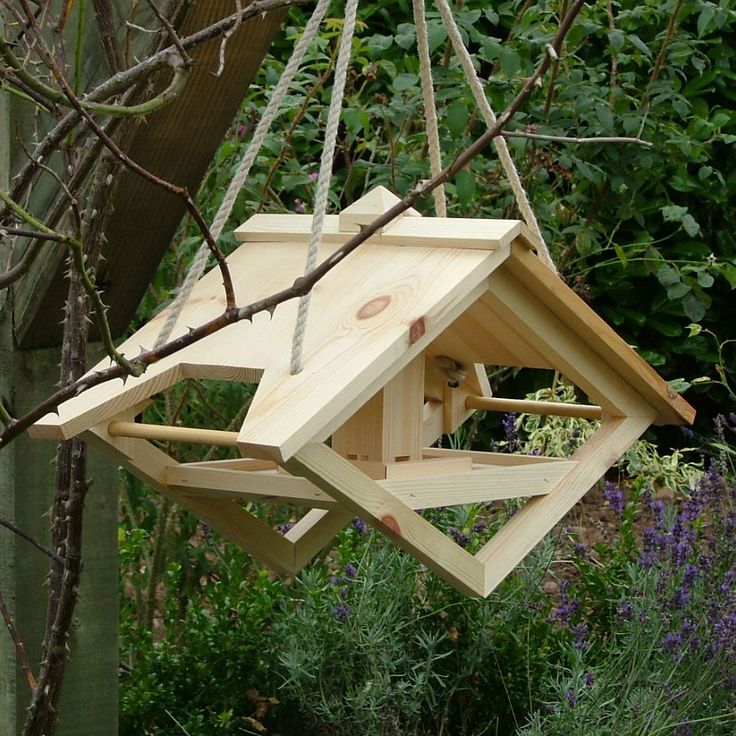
{"x": 625, "y": 610}
{"x": 572, "y": 699}
{"x": 480, "y": 526}
{"x": 581, "y": 550}
{"x": 360, "y": 526}
{"x": 458, "y": 536}
{"x": 615, "y": 497}
{"x": 350, "y": 571}
{"x": 509, "y": 429}
{"x": 341, "y": 612}
{"x": 334, "y": 580}
{"x": 588, "y": 679}
{"x": 283, "y": 528}
{"x": 672, "y": 642}
{"x": 509, "y": 425}
{"x": 580, "y": 637}
{"x": 299, "y": 206}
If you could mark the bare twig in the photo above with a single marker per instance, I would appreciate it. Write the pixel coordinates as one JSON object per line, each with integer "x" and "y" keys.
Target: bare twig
{"x": 30, "y": 539}
{"x": 614, "y": 55}
{"x": 36, "y": 234}
{"x": 226, "y": 37}
{"x": 303, "y": 284}
{"x": 173, "y": 35}
{"x": 572, "y": 139}
{"x": 19, "y": 648}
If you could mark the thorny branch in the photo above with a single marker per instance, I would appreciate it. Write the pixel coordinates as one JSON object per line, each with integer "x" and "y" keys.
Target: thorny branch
{"x": 303, "y": 284}
{"x": 19, "y": 648}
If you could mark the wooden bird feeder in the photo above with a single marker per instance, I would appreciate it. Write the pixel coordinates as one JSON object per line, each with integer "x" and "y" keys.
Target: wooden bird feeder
{"x": 394, "y": 354}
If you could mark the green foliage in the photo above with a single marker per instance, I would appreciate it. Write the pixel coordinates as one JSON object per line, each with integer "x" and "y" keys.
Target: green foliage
{"x": 211, "y": 642}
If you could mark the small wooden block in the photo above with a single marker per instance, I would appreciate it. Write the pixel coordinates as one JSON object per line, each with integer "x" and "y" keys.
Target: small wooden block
{"x": 368, "y": 207}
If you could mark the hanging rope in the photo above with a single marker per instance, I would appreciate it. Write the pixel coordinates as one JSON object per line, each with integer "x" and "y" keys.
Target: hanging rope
{"x": 430, "y": 111}
{"x": 201, "y": 258}
{"x": 324, "y": 177}
{"x": 489, "y": 117}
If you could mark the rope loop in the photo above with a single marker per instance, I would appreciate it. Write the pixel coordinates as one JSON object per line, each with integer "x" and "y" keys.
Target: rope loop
{"x": 324, "y": 177}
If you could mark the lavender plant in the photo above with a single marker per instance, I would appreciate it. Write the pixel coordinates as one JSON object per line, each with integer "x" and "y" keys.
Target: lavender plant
{"x": 651, "y": 620}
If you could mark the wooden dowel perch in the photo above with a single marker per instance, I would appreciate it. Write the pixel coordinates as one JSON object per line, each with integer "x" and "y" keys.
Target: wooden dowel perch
{"x": 165, "y": 433}
{"x": 525, "y": 406}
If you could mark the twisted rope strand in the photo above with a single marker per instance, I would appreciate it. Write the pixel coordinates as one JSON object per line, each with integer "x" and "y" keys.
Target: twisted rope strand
{"x": 324, "y": 177}
{"x": 430, "y": 110}
{"x": 490, "y": 119}
{"x": 201, "y": 258}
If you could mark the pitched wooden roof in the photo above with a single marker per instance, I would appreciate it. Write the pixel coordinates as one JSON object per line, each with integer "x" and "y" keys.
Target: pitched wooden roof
{"x": 467, "y": 288}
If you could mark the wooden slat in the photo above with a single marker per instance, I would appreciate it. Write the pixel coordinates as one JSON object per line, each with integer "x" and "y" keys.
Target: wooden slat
{"x": 380, "y": 508}
{"x": 539, "y": 515}
{"x": 268, "y": 486}
{"x": 423, "y": 232}
{"x": 479, "y": 486}
{"x": 492, "y": 458}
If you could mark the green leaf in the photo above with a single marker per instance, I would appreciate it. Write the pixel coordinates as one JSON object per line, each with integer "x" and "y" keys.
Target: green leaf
{"x": 677, "y": 291}
{"x": 704, "y": 19}
{"x": 693, "y": 307}
{"x": 621, "y": 253}
{"x": 668, "y": 327}
{"x": 510, "y": 63}
{"x": 406, "y": 35}
{"x": 616, "y": 39}
{"x": 673, "y": 213}
{"x": 694, "y": 329}
{"x": 405, "y": 81}
{"x": 705, "y": 279}
{"x": 380, "y": 43}
{"x": 605, "y": 117}
{"x": 652, "y": 357}
{"x": 668, "y": 276}
{"x": 436, "y": 35}
{"x": 457, "y": 117}
{"x": 465, "y": 187}
{"x": 636, "y": 41}
{"x": 691, "y": 226}
{"x": 389, "y": 67}
{"x": 679, "y": 384}
{"x": 728, "y": 271}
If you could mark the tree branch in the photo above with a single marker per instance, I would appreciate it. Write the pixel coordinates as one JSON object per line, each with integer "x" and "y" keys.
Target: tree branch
{"x": 571, "y": 139}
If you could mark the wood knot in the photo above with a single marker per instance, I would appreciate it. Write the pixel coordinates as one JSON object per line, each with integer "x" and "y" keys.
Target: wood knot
{"x": 391, "y": 524}
{"x": 374, "y": 307}
{"x": 417, "y": 330}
